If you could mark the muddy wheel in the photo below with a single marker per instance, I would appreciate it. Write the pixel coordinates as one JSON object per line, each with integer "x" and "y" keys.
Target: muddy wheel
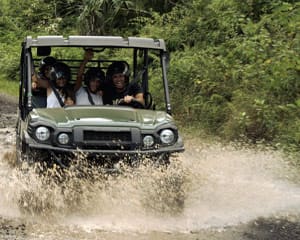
{"x": 22, "y": 151}
{"x": 36, "y": 158}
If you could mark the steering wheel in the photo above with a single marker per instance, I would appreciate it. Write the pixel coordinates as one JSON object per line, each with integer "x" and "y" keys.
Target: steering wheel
{"x": 148, "y": 100}
{"x": 134, "y": 103}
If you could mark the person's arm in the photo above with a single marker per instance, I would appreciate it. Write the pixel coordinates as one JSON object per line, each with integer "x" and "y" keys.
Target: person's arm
{"x": 37, "y": 82}
{"x": 88, "y": 55}
{"x": 34, "y": 82}
{"x": 135, "y": 93}
{"x": 138, "y": 97}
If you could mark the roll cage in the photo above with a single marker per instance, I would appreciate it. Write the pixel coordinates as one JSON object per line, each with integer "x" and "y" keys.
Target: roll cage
{"x": 43, "y": 44}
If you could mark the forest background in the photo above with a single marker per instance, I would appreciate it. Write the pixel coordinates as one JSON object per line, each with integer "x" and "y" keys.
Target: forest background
{"x": 235, "y": 65}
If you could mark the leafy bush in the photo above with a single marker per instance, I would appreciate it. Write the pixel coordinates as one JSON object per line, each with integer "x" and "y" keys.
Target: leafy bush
{"x": 235, "y": 65}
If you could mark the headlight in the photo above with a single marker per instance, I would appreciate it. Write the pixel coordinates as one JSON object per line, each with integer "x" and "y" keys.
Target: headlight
{"x": 148, "y": 141}
{"x": 167, "y": 136}
{"x": 42, "y": 133}
{"x": 63, "y": 138}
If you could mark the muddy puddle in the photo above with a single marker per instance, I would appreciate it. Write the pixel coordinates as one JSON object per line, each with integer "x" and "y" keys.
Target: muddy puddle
{"x": 208, "y": 192}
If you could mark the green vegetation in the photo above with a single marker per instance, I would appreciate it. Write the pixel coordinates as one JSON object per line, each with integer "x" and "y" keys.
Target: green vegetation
{"x": 234, "y": 64}
{"x": 9, "y": 87}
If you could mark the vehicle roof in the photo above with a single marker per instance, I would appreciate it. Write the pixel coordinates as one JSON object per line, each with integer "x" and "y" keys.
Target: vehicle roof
{"x": 95, "y": 41}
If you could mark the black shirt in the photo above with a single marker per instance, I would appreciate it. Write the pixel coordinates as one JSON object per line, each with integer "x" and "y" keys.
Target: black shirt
{"x": 111, "y": 96}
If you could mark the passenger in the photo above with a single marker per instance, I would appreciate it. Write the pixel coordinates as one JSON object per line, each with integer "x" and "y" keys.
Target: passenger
{"x": 59, "y": 93}
{"x": 93, "y": 79}
{"x": 122, "y": 91}
{"x": 39, "y": 94}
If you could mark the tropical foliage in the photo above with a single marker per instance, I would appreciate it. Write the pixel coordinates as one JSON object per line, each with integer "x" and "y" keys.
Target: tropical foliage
{"x": 234, "y": 64}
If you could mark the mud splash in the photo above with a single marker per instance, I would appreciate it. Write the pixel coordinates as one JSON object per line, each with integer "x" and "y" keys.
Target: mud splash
{"x": 208, "y": 186}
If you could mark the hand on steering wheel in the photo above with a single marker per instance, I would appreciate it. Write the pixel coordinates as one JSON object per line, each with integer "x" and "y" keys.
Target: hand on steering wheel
{"x": 133, "y": 103}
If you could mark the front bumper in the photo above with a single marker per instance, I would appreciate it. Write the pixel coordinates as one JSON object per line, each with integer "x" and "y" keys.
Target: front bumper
{"x": 176, "y": 147}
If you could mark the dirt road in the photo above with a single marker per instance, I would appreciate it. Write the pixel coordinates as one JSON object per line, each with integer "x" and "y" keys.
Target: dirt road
{"x": 209, "y": 192}
{"x": 8, "y": 110}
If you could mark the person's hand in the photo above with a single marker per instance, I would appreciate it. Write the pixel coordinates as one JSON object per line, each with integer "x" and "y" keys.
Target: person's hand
{"x": 88, "y": 55}
{"x": 128, "y": 99}
{"x": 34, "y": 85}
{"x": 69, "y": 101}
{"x": 100, "y": 93}
{"x": 131, "y": 101}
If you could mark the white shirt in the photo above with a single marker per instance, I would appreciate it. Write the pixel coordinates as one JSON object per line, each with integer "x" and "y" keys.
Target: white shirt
{"x": 52, "y": 101}
{"x": 82, "y": 97}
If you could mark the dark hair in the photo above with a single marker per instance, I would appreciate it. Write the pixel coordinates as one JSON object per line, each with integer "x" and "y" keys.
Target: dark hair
{"x": 45, "y": 62}
{"x": 94, "y": 73}
{"x": 118, "y": 67}
{"x": 59, "y": 70}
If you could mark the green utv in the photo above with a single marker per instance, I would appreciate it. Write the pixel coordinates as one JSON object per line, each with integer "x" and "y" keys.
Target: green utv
{"x": 107, "y": 133}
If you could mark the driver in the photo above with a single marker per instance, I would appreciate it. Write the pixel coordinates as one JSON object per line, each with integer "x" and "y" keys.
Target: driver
{"x": 122, "y": 91}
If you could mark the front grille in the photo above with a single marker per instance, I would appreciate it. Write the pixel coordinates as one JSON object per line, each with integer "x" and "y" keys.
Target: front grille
{"x": 107, "y": 147}
{"x": 107, "y": 136}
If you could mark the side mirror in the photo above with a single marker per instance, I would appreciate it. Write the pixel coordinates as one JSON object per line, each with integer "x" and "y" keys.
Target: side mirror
{"x": 43, "y": 51}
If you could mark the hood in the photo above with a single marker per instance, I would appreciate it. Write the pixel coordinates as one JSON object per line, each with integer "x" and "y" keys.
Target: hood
{"x": 99, "y": 116}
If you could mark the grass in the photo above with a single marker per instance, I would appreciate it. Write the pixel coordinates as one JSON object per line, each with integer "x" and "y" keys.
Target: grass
{"x": 9, "y": 87}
